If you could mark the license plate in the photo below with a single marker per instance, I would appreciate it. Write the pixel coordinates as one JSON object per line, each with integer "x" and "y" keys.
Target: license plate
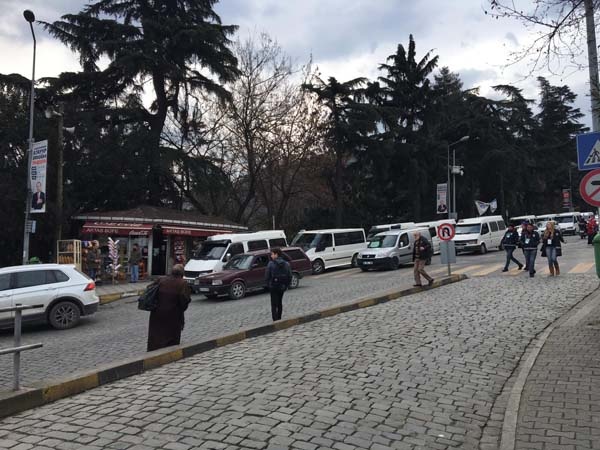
{"x": 204, "y": 289}
{"x": 196, "y": 282}
{"x": 367, "y": 262}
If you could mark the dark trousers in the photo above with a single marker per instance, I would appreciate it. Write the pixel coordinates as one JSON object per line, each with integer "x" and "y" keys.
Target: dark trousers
{"x": 591, "y": 237}
{"x": 530, "y": 255}
{"x": 276, "y": 303}
{"x": 510, "y": 257}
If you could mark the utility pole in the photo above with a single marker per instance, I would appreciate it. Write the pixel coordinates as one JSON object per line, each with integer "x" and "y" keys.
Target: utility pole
{"x": 59, "y": 172}
{"x": 593, "y": 63}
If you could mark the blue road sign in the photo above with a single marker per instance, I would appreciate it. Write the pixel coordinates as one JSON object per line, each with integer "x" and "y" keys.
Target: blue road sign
{"x": 588, "y": 151}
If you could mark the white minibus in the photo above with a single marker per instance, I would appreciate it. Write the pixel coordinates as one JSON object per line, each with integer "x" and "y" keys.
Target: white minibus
{"x": 331, "y": 248}
{"x": 387, "y": 227}
{"x": 568, "y": 223}
{"x": 479, "y": 234}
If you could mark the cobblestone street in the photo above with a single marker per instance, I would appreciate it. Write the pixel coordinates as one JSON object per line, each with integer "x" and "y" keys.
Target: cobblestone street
{"x": 420, "y": 372}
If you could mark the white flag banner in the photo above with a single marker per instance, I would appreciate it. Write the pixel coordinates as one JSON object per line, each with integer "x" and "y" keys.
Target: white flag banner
{"x": 481, "y": 207}
{"x": 493, "y": 205}
{"x": 37, "y": 176}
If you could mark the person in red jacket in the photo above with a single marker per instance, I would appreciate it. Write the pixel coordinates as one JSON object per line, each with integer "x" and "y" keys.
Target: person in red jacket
{"x": 592, "y": 229}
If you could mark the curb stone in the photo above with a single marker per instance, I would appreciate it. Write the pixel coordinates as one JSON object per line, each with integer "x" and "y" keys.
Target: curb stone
{"x": 109, "y": 298}
{"x": 42, "y": 393}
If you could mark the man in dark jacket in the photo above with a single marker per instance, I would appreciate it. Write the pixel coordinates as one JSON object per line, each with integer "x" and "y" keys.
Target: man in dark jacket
{"x": 530, "y": 239}
{"x": 134, "y": 263}
{"x": 278, "y": 277}
{"x": 422, "y": 251}
{"x": 510, "y": 242}
{"x": 167, "y": 320}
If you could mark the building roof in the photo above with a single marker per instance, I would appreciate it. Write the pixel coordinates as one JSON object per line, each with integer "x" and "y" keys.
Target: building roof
{"x": 160, "y": 216}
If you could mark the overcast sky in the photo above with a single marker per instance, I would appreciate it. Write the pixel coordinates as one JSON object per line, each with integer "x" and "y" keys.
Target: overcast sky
{"x": 346, "y": 38}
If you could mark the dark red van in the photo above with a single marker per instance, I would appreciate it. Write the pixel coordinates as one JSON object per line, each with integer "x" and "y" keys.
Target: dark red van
{"x": 246, "y": 273}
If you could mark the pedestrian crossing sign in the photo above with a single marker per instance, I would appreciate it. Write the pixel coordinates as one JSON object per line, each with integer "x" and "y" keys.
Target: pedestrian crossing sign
{"x": 588, "y": 151}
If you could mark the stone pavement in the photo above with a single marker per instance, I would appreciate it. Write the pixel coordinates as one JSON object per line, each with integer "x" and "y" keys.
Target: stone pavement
{"x": 560, "y": 404}
{"x": 422, "y": 372}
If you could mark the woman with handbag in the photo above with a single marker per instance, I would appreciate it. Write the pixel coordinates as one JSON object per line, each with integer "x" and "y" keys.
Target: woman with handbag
{"x": 551, "y": 247}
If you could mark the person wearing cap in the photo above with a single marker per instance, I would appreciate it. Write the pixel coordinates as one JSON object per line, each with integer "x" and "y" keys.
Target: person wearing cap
{"x": 509, "y": 243}
{"x": 530, "y": 239}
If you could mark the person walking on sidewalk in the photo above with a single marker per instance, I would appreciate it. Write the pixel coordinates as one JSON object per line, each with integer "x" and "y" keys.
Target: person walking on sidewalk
{"x": 167, "y": 319}
{"x": 278, "y": 277}
{"x": 509, "y": 242}
{"x": 530, "y": 239}
{"x": 551, "y": 247}
{"x": 592, "y": 229}
{"x": 134, "y": 263}
{"x": 422, "y": 251}
{"x": 523, "y": 230}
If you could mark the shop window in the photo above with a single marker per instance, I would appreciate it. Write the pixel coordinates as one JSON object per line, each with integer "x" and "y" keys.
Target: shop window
{"x": 280, "y": 242}
{"x": 257, "y": 245}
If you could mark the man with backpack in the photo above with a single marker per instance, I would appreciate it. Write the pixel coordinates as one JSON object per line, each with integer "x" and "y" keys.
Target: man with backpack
{"x": 422, "y": 251}
{"x": 278, "y": 277}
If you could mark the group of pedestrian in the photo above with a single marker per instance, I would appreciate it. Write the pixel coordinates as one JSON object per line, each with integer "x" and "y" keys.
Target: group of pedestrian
{"x": 529, "y": 241}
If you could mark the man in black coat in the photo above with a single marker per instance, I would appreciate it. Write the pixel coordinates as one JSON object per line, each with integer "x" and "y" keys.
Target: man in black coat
{"x": 510, "y": 242}
{"x": 278, "y": 277}
{"x": 422, "y": 251}
{"x": 530, "y": 239}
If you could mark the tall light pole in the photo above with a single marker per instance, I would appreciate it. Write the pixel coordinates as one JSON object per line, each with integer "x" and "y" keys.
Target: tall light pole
{"x": 59, "y": 115}
{"x": 452, "y": 206}
{"x": 29, "y": 17}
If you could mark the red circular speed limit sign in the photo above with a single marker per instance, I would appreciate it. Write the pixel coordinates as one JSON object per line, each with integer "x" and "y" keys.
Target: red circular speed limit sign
{"x": 589, "y": 188}
{"x": 446, "y": 231}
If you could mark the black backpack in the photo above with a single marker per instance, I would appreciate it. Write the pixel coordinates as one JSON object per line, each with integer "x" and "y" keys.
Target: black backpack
{"x": 149, "y": 299}
{"x": 281, "y": 277}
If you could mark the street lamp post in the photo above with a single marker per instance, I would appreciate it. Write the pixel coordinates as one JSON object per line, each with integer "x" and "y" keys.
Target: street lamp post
{"x": 29, "y": 17}
{"x": 452, "y": 206}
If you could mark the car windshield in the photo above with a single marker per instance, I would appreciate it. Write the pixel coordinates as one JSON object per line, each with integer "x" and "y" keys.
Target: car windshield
{"x": 468, "y": 229}
{"x": 239, "y": 262}
{"x": 306, "y": 240}
{"x": 211, "y": 251}
{"x": 567, "y": 219}
{"x": 385, "y": 241}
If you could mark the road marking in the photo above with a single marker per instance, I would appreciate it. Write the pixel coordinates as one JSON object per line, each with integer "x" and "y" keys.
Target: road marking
{"x": 467, "y": 268}
{"x": 581, "y": 268}
{"x": 487, "y": 271}
{"x": 514, "y": 272}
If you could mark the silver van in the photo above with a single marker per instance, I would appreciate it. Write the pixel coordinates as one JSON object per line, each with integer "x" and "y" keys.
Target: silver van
{"x": 390, "y": 249}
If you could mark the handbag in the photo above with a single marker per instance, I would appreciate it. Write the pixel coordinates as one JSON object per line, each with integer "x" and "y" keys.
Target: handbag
{"x": 149, "y": 298}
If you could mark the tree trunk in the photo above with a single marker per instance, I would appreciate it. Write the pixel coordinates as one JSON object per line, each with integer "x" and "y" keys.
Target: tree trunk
{"x": 593, "y": 63}
{"x": 339, "y": 191}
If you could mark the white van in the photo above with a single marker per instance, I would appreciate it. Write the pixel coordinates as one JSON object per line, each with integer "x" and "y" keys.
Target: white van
{"x": 218, "y": 249}
{"x": 331, "y": 248}
{"x": 390, "y": 249}
{"x": 375, "y": 229}
{"x": 542, "y": 220}
{"x": 432, "y": 227}
{"x": 479, "y": 234}
{"x": 568, "y": 223}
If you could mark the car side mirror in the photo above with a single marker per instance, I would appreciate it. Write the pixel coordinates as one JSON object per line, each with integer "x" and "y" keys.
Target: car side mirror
{"x": 227, "y": 257}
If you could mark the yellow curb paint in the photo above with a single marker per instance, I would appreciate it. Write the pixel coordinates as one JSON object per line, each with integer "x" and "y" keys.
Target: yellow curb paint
{"x": 109, "y": 298}
{"x": 71, "y": 387}
{"x": 231, "y": 339}
{"x": 330, "y": 312}
{"x": 162, "y": 359}
{"x": 287, "y": 323}
{"x": 581, "y": 268}
{"x": 366, "y": 303}
{"x": 466, "y": 269}
{"x": 487, "y": 271}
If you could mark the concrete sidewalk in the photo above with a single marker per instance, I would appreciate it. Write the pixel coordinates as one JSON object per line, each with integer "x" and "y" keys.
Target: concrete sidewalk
{"x": 560, "y": 403}
{"x": 111, "y": 292}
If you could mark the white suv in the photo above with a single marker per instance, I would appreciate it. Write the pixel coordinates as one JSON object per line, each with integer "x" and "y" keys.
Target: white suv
{"x": 63, "y": 293}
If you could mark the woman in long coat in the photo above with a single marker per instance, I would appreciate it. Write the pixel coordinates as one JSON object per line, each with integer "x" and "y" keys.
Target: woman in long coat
{"x": 167, "y": 320}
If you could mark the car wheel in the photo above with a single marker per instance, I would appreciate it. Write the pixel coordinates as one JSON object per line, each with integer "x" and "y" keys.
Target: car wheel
{"x": 295, "y": 281}
{"x": 354, "y": 262}
{"x": 428, "y": 262}
{"x": 237, "y": 290}
{"x": 318, "y": 267}
{"x": 483, "y": 249}
{"x": 64, "y": 315}
{"x": 395, "y": 263}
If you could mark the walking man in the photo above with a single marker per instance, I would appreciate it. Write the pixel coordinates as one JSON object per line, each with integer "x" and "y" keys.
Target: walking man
{"x": 530, "y": 239}
{"x": 421, "y": 253}
{"x": 134, "y": 263}
{"x": 278, "y": 277}
{"x": 509, "y": 242}
{"x": 167, "y": 320}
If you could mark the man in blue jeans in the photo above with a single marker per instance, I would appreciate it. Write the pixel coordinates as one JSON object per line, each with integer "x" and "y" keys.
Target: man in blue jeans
{"x": 509, "y": 242}
{"x": 134, "y": 263}
{"x": 530, "y": 239}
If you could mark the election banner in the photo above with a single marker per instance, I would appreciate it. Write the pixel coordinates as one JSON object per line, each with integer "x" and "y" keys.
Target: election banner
{"x": 37, "y": 176}
{"x": 442, "y": 199}
{"x": 566, "y": 198}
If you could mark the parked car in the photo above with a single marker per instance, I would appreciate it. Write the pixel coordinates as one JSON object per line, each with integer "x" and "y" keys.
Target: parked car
{"x": 479, "y": 234}
{"x": 331, "y": 248}
{"x": 390, "y": 249}
{"x": 246, "y": 273}
{"x": 63, "y": 293}
{"x": 217, "y": 250}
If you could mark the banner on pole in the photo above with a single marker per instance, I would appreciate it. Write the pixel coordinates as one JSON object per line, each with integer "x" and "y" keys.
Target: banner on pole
{"x": 482, "y": 207}
{"x": 442, "y": 199}
{"x": 37, "y": 177}
{"x": 566, "y": 198}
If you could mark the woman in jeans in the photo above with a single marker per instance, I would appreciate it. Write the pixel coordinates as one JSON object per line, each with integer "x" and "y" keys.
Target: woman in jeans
{"x": 551, "y": 240}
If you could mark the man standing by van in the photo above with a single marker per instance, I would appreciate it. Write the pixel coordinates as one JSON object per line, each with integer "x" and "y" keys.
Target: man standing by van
{"x": 421, "y": 253}
{"x": 509, "y": 242}
{"x": 278, "y": 277}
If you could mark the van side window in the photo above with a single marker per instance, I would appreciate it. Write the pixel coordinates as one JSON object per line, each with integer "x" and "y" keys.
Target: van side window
{"x": 236, "y": 249}
{"x": 484, "y": 228}
{"x": 433, "y": 232}
{"x": 501, "y": 226}
{"x": 5, "y": 282}
{"x": 494, "y": 226}
{"x": 279, "y": 242}
{"x": 403, "y": 240}
{"x": 356, "y": 237}
{"x": 326, "y": 241}
{"x": 257, "y": 245}
{"x": 295, "y": 255}
{"x": 342, "y": 239}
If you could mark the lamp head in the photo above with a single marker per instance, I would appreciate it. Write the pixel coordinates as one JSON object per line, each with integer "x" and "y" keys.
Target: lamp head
{"x": 464, "y": 138}
{"x": 29, "y": 16}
